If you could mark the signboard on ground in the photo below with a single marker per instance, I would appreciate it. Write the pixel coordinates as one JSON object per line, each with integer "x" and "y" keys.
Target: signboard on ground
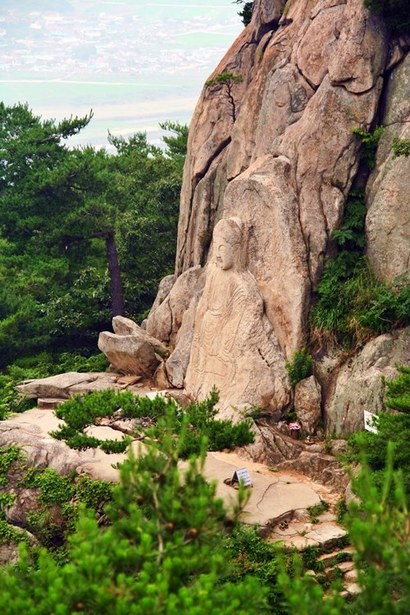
{"x": 242, "y": 476}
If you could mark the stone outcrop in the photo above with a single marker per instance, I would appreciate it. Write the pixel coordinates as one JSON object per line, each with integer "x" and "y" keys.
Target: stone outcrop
{"x": 388, "y": 215}
{"x": 165, "y": 318}
{"x": 359, "y": 383}
{"x": 280, "y": 154}
{"x": 307, "y": 403}
{"x": 130, "y": 349}
{"x": 52, "y": 390}
{"x": 64, "y": 385}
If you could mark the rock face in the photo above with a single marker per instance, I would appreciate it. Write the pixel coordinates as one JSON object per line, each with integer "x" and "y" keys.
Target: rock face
{"x": 279, "y": 154}
{"x": 359, "y": 385}
{"x": 388, "y": 217}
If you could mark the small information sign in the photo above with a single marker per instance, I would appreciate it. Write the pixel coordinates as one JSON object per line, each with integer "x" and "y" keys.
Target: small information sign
{"x": 370, "y": 421}
{"x": 242, "y": 476}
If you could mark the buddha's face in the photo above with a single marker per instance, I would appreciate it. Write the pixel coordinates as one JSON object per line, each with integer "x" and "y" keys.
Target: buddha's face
{"x": 225, "y": 254}
{"x": 227, "y": 245}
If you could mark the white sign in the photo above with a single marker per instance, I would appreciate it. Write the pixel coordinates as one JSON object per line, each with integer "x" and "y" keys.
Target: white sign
{"x": 370, "y": 421}
{"x": 242, "y": 476}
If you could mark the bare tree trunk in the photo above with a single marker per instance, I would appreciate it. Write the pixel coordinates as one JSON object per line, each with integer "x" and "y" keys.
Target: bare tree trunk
{"x": 117, "y": 299}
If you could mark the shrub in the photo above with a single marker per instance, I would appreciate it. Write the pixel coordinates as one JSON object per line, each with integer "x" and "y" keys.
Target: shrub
{"x": 80, "y": 412}
{"x": 401, "y": 147}
{"x": 392, "y": 430}
{"x": 246, "y": 13}
{"x": 300, "y": 366}
{"x": 370, "y": 141}
{"x": 352, "y": 304}
{"x": 162, "y": 554}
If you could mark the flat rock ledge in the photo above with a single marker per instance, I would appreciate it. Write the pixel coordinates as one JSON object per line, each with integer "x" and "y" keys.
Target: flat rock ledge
{"x": 275, "y": 497}
{"x": 65, "y": 385}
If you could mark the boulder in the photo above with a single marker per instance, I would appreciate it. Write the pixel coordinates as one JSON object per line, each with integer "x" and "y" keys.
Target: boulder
{"x": 131, "y": 350}
{"x": 307, "y": 403}
{"x": 359, "y": 383}
{"x": 64, "y": 385}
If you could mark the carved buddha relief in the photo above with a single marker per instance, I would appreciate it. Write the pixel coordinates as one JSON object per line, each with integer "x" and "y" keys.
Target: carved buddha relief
{"x": 233, "y": 343}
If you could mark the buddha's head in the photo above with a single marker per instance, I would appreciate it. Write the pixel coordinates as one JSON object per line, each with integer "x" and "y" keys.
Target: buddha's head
{"x": 228, "y": 242}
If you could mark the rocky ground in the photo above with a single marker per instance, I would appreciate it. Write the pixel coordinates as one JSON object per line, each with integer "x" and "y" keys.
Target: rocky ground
{"x": 293, "y": 499}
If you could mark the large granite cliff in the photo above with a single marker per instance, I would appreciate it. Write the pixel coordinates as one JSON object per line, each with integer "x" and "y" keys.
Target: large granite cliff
{"x": 274, "y": 151}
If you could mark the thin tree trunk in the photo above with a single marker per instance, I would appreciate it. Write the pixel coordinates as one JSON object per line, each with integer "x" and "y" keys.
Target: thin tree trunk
{"x": 117, "y": 299}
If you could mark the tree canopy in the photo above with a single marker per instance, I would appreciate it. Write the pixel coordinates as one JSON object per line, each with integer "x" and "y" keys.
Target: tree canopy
{"x": 84, "y": 233}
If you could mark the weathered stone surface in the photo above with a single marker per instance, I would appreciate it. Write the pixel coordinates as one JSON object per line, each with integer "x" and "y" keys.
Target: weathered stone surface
{"x": 9, "y": 551}
{"x": 27, "y": 501}
{"x": 280, "y": 155}
{"x": 263, "y": 198}
{"x": 124, "y": 326}
{"x": 177, "y": 363}
{"x": 234, "y": 348}
{"x": 164, "y": 289}
{"x": 133, "y": 351}
{"x": 319, "y": 467}
{"x": 360, "y": 55}
{"x": 165, "y": 320}
{"x": 388, "y": 215}
{"x": 307, "y": 403}
{"x": 359, "y": 384}
{"x": 327, "y": 535}
{"x": 61, "y": 386}
{"x": 30, "y": 431}
{"x": 161, "y": 377}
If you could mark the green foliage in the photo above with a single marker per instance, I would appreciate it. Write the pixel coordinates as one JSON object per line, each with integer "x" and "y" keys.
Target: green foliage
{"x": 310, "y": 559}
{"x": 370, "y": 141}
{"x": 225, "y": 78}
{"x": 80, "y": 412}
{"x": 226, "y": 81}
{"x": 246, "y": 13}
{"x": 8, "y": 457}
{"x": 300, "y": 366}
{"x": 58, "y": 498}
{"x": 251, "y": 556}
{"x": 316, "y": 510}
{"x": 352, "y": 304}
{"x": 393, "y": 430}
{"x": 8, "y": 534}
{"x": 398, "y": 390}
{"x": 379, "y": 531}
{"x": 67, "y": 216}
{"x": 162, "y": 553}
{"x": 395, "y": 13}
{"x": 401, "y": 147}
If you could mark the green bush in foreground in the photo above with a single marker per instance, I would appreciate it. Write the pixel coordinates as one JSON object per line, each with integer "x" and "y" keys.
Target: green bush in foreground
{"x": 162, "y": 554}
{"x": 80, "y": 412}
{"x": 393, "y": 429}
{"x": 379, "y": 530}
